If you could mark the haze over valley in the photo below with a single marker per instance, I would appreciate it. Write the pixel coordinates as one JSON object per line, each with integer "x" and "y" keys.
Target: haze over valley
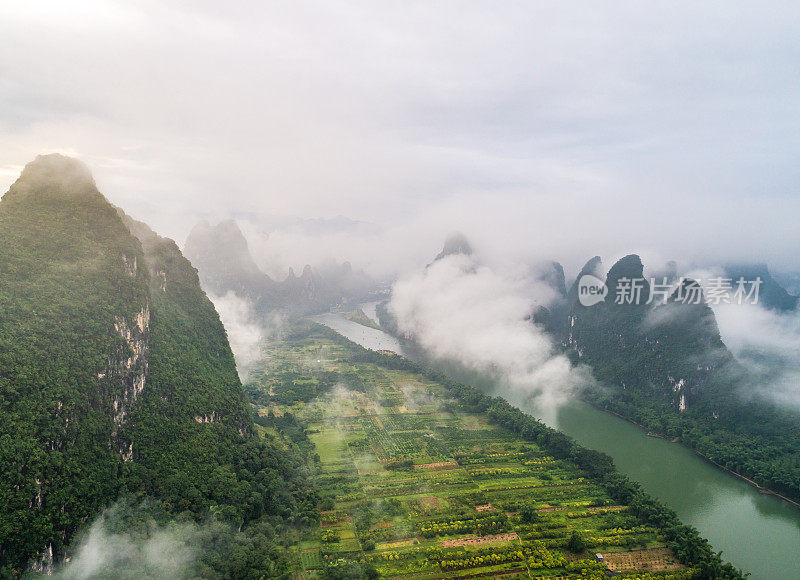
{"x": 399, "y": 290}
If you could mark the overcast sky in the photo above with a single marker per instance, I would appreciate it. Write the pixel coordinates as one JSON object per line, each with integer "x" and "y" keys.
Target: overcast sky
{"x": 564, "y": 128}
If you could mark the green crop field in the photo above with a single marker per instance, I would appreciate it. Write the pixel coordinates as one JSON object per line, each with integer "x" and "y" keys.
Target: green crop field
{"x": 413, "y": 486}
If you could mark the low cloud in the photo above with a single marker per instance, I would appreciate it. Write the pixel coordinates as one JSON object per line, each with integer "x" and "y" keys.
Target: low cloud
{"x": 767, "y": 343}
{"x": 461, "y": 310}
{"x": 381, "y": 252}
{"x": 246, "y": 333}
{"x": 156, "y": 552}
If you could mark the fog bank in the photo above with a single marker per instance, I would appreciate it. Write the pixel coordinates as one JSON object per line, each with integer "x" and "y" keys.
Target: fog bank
{"x": 767, "y": 342}
{"x": 246, "y": 333}
{"x": 459, "y": 309}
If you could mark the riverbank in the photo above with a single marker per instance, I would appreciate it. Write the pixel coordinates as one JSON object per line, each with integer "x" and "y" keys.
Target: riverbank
{"x": 760, "y": 488}
{"x": 631, "y": 421}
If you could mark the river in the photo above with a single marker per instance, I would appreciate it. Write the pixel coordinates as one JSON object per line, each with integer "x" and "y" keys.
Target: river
{"x": 756, "y": 532}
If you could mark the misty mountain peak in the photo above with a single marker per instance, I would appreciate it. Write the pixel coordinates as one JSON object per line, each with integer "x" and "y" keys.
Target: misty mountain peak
{"x": 630, "y": 266}
{"x": 55, "y": 175}
{"x": 222, "y": 257}
{"x": 668, "y": 272}
{"x": 456, "y": 243}
{"x": 593, "y": 267}
{"x": 771, "y": 294}
{"x": 688, "y": 287}
{"x": 223, "y": 244}
{"x": 226, "y": 232}
{"x": 552, "y": 274}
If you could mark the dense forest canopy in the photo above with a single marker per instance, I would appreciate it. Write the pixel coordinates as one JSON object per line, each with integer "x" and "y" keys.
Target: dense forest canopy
{"x": 116, "y": 378}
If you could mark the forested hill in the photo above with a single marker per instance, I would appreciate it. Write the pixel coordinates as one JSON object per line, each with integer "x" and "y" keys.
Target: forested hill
{"x": 670, "y": 352}
{"x": 665, "y": 366}
{"x": 116, "y": 376}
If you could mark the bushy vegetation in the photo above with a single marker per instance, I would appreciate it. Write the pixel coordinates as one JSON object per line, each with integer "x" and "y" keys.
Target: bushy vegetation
{"x": 116, "y": 379}
{"x": 687, "y": 544}
{"x": 506, "y": 494}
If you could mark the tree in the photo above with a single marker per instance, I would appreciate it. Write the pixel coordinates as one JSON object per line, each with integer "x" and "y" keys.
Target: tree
{"x": 576, "y": 543}
{"x": 528, "y": 514}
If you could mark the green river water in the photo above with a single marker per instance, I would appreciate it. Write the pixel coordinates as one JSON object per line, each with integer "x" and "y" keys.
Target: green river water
{"x": 758, "y": 533}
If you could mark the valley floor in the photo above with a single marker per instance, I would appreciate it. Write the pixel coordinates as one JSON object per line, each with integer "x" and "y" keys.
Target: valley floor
{"x": 413, "y": 486}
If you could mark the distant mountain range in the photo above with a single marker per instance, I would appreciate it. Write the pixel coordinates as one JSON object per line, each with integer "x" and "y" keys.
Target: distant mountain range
{"x": 222, "y": 256}
{"x": 771, "y": 294}
{"x": 314, "y": 227}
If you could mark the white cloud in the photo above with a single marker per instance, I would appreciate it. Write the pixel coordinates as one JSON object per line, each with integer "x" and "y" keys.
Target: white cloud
{"x": 559, "y": 125}
{"x": 245, "y": 333}
{"x": 166, "y": 552}
{"x": 460, "y": 310}
{"x": 767, "y": 342}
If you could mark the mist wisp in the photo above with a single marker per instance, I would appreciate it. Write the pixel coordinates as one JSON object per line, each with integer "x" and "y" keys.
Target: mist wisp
{"x": 105, "y": 551}
{"x": 246, "y": 333}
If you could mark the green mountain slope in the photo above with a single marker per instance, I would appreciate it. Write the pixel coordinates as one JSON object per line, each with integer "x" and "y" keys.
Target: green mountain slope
{"x": 116, "y": 377}
{"x": 667, "y": 353}
{"x": 67, "y": 375}
{"x": 666, "y": 367}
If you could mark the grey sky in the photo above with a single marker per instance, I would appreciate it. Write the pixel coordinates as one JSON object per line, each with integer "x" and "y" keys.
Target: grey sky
{"x": 670, "y": 128}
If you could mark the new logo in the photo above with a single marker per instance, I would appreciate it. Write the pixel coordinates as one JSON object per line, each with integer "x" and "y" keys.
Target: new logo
{"x": 591, "y": 290}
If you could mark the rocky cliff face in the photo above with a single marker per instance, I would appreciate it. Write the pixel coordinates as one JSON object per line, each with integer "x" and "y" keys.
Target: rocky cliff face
{"x": 109, "y": 350}
{"x": 185, "y": 311}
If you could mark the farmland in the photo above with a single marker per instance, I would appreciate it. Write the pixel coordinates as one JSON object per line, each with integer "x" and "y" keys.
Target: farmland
{"x": 412, "y": 485}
